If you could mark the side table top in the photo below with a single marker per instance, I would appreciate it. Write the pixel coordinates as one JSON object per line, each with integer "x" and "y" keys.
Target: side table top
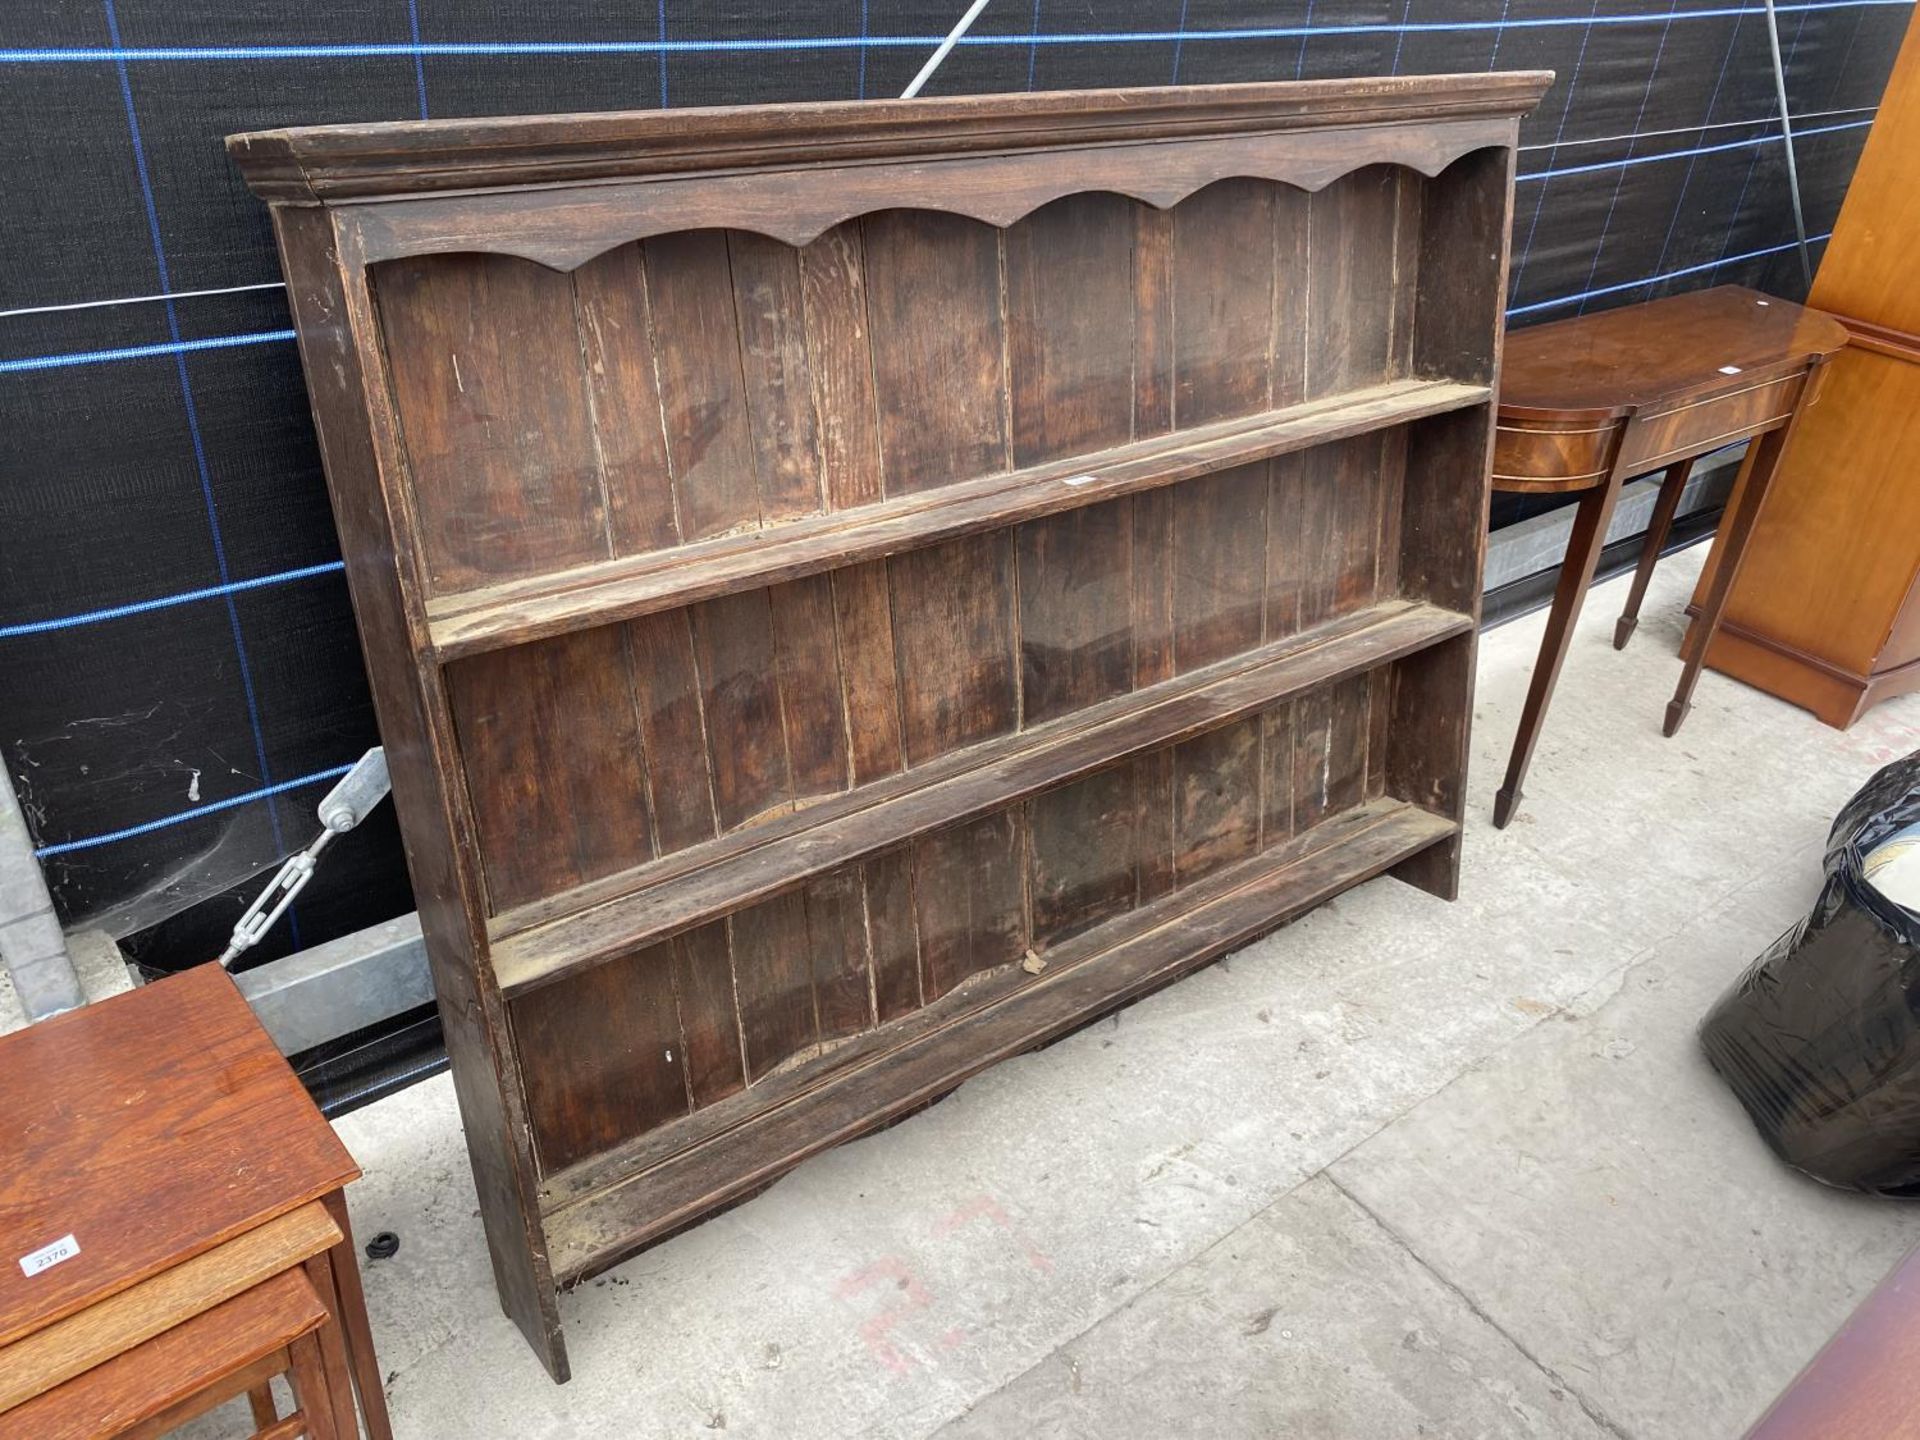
{"x": 148, "y": 1128}
{"x": 1618, "y": 361}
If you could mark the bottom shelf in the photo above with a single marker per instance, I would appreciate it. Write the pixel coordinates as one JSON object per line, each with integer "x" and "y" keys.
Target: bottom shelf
{"x": 973, "y": 1028}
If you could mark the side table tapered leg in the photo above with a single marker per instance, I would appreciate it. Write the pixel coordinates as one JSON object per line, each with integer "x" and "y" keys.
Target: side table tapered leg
{"x": 1671, "y": 484}
{"x": 1576, "y": 574}
{"x": 1762, "y": 462}
{"x": 353, "y": 1318}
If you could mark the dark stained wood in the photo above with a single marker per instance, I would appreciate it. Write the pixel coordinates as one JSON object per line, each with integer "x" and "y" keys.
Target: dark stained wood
{"x": 709, "y": 1018}
{"x": 893, "y": 934}
{"x": 837, "y": 936}
{"x": 953, "y": 634}
{"x": 1070, "y": 297}
{"x": 1224, "y": 911}
{"x": 1216, "y": 799}
{"x": 773, "y": 975}
{"x": 778, "y": 379}
{"x": 1084, "y": 853}
{"x": 970, "y": 903}
{"x": 939, "y": 348}
{"x": 1223, "y": 305}
{"x": 479, "y": 339}
{"x": 1219, "y": 566}
{"x": 666, "y": 689}
{"x": 813, "y": 712}
{"x": 616, "y": 331}
{"x": 1076, "y": 590}
{"x": 1588, "y": 403}
{"x": 514, "y": 612}
{"x": 611, "y": 1058}
{"x": 697, "y": 352}
{"x": 734, "y": 651}
{"x": 834, "y": 291}
{"x": 869, "y": 670}
{"x": 550, "y": 736}
{"x": 607, "y": 918}
{"x": 1025, "y": 546}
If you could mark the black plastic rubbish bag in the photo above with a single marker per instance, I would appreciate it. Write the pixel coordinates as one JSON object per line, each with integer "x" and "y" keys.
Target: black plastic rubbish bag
{"x": 1820, "y": 1038}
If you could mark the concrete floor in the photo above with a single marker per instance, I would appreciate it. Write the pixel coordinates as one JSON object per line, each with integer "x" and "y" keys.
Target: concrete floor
{"x": 1402, "y": 1169}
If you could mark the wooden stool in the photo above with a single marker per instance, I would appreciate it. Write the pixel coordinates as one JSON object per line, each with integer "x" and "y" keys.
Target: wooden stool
{"x": 237, "y": 1346}
{"x": 1586, "y": 404}
{"x": 159, "y": 1163}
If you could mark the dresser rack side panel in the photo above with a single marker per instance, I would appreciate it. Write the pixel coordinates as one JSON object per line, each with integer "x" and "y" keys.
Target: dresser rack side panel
{"x": 344, "y": 365}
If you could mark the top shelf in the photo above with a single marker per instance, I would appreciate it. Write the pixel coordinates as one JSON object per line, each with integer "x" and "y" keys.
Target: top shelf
{"x": 521, "y": 611}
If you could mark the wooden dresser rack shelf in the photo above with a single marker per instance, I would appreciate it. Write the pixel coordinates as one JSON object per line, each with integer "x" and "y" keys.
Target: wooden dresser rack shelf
{"x": 854, "y": 591}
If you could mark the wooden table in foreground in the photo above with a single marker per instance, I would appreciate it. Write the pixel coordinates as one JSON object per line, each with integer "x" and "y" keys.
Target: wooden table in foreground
{"x": 1588, "y": 403}
{"x": 160, "y": 1140}
{"x": 1865, "y": 1384}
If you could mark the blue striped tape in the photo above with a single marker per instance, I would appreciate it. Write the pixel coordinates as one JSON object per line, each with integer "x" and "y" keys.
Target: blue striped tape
{"x": 212, "y": 807}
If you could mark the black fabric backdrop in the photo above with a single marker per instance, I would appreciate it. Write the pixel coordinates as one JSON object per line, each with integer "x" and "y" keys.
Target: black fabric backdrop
{"x": 179, "y": 676}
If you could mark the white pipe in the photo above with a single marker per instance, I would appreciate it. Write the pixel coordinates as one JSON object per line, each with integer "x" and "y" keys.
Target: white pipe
{"x": 946, "y": 47}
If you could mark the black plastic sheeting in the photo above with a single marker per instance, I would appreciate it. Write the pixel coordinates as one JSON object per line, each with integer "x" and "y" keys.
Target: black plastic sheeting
{"x": 179, "y": 675}
{"x": 1820, "y": 1038}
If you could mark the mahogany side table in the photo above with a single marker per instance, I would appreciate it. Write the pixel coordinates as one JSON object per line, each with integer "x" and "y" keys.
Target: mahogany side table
{"x": 158, "y": 1158}
{"x": 1588, "y": 403}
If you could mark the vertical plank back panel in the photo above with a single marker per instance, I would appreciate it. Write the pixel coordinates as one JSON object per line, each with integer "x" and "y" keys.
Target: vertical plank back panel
{"x": 553, "y": 754}
{"x": 940, "y": 382}
{"x": 493, "y": 403}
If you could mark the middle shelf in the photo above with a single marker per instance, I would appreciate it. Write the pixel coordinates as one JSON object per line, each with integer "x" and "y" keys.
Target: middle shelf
{"x": 621, "y": 913}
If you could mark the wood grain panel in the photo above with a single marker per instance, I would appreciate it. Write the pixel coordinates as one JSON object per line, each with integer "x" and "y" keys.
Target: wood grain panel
{"x": 1352, "y": 297}
{"x": 1070, "y": 296}
{"x": 1219, "y": 565}
{"x": 773, "y": 978}
{"x": 1276, "y": 775}
{"x": 612, "y": 1063}
{"x": 702, "y": 392}
{"x": 1154, "y": 824}
{"x": 734, "y": 647}
{"x": 837, "y": 938}
{"x": 709, "y": 1017}
{"x": 779, "y": 380}
{"x": 1330, "y": 751}
{"x": 1076, "y": 595}
{"x": 552, "y": 749}
{"x": 954, "y": 641}
{"x": 1216, "y": 798}
{"x": 1335, "y": 556}
{"x": 493, "y": 404}
{"x": 1153, "y": 605}
{"x": 869, "y": 674}
{"x": 833, "y": 290}
{"x": 1084, "y": 856}
{"x": 616, "y": 331}
{"x": 939, "y": 347}
{"x": 968, "y": 900}
{"x": 666, "y": 687}
{"x": 1152, "y": 321}
{"x": 812, "y": 702}
{"x": 893, "y": 933}
{"x": 1223, "y": 310}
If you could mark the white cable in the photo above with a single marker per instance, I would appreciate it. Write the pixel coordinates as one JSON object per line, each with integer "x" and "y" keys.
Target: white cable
{"x": 141, "y": 299}
{"x": 946, "y": 47}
